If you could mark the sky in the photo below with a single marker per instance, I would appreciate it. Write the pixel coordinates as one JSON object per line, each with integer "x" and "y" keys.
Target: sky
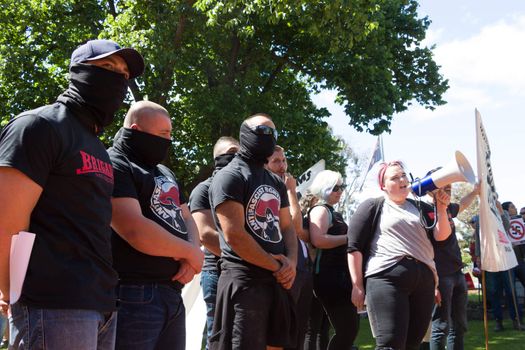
{"x": 480, "y": 46}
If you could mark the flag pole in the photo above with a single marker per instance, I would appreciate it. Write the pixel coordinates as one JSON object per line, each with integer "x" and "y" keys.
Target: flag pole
{"x": 485, "y": 316}
{"x": 381, "y": 148}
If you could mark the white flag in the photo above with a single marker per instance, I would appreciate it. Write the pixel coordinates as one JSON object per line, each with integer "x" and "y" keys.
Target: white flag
{"x": 21, "y": 246}
{"x": 305, "y": 180}
{"x": 496, "y": 249}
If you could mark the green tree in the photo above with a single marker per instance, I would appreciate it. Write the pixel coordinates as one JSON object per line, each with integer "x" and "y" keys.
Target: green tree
{"x": 212, "y": 63}
{"x": 460, "y": 190}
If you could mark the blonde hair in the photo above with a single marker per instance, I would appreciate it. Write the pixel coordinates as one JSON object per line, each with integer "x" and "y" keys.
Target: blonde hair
{"x": 323, "y": 184}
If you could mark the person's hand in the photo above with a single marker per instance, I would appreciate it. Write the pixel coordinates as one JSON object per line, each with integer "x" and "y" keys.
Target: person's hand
{"x": 4, "y": 308}
{"x": 441, "y": 198}
{"x": 476, "y": 188}
{"x": 500, "y": 208}
{"x": 290, "y": 182}
{"x": 195, "y": 259}
{"x": 286, "y": 274}
{"x": 358, "y": 297}
{"x": 437, "y": 297}
{"x": 185, "y": 273}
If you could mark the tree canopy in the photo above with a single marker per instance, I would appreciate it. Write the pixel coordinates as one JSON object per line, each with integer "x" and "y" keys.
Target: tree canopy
{"x": 213, "y": 63}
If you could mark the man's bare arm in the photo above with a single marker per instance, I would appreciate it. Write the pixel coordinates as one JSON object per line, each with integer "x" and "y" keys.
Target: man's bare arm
{"x": 149, "y": 237}
{"x": 295, "y": 209}
{"x": 289, "y": 236}
{"x": 286, "y": 274}
{"x": 207, "y": 231}
{"x": 469, "y": 198}
{"x": 18, "y": 197}
{"x": 231, "y": 219}
{"x": 193, "y": 231}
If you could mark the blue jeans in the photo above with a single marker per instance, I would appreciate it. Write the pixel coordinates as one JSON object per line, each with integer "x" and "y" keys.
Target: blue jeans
{"x": 150, "y": 316}
{"x": 498, "y": 282}
{"x": 449, "y": 320}
{"x": 3, "y": 324}
{"x": 57, "y": 329}
{"x": 209, "y": 281}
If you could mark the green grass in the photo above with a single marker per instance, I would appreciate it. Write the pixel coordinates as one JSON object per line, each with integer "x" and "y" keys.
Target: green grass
{"x": 509, "y": 339}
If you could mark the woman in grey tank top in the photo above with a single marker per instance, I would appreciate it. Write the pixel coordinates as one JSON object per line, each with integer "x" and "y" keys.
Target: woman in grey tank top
{"x": 389, "y": 247}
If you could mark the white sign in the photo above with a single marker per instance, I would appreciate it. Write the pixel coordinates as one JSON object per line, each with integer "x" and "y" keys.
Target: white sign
{"x": 21, "y": 246}
{"x": 305, "y": 180}
{"x": 496, "y": 248}
{"x": 517, "y": 231}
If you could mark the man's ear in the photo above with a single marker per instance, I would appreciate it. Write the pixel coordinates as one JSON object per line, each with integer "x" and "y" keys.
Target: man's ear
{"x": 134, "y": 126}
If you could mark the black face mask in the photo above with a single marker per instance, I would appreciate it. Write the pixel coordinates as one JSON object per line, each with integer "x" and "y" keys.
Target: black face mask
{"x": 95, "y": 92}
{"x": 222, "y": 160}
{"x": 146, "y": 148}
{"x": 255, "y": 147}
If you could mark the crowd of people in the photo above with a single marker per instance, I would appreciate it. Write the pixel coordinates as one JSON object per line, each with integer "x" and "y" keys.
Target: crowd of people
{"x": 116, "y": 238}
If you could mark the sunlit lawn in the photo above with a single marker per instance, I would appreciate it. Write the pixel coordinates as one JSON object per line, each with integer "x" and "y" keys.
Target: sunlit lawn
{"x": 509, "y": 339}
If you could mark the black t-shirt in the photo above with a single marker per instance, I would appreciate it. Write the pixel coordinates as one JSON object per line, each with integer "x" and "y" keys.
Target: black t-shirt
{"x": 200, "y": 200}
{"x": 70, "y": 265}
{"x": 262, "y": 195}
{"x": 447, "y": 254}
{"x": 160, "y": 198}
{"x": 333, "y": 258}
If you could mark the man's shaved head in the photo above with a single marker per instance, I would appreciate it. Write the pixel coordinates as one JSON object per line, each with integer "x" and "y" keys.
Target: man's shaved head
{"x": 142, "y": 109}
{"x": 225, "y": 144}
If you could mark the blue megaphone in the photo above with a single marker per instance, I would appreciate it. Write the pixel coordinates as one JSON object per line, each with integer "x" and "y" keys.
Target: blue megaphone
{"x": 457, "y": 170}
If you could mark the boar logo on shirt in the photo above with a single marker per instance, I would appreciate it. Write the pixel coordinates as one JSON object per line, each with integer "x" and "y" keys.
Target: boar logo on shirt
{"x": 165, "y": 203}
{"x": 262, "y": 213}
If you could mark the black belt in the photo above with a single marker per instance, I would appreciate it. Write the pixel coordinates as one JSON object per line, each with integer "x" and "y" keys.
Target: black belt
{"x": 173, "y": 284}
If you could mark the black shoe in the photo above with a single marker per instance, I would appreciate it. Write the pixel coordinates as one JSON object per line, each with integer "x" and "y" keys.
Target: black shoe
{"x": 499, "y": 326}
{"x": 518, "y": 326}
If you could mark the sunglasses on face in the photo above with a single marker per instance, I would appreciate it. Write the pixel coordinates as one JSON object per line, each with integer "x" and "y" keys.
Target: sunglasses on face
{"x": 265, "y": 130}
{"x": 338, "y": 187}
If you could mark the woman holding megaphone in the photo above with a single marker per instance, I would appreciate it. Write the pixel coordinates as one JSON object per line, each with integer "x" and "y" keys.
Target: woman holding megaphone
{"x": 390, "y": 257}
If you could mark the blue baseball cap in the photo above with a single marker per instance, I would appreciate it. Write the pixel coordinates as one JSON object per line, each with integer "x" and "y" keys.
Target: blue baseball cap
{"x": 100, "y": 48}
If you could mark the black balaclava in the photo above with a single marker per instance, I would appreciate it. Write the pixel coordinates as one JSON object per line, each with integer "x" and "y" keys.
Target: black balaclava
{"x": 254, "y": 147}
{"x": 146, "y": 148}
{"x": 222, "y": 160}
{"x": 94, "y": 93}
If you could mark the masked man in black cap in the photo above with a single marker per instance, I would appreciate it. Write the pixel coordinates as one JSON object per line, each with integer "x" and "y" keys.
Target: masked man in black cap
{"x": 253, "y": 307}
{"x": 56, "y": 181}
{"x": 155, "y": 241}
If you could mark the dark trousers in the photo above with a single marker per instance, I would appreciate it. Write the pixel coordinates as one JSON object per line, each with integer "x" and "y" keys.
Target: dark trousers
{"x": 252, "y": 311}
{"x": 449, "y": 320}
{"x": 318, "y": 327}
{"x": 519, "y": 272}
{"x": 334, "y": 290}
{"x": 399, "y": 303}
{"x": 302, "y": 293}
{"x": 497, "y": 283}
